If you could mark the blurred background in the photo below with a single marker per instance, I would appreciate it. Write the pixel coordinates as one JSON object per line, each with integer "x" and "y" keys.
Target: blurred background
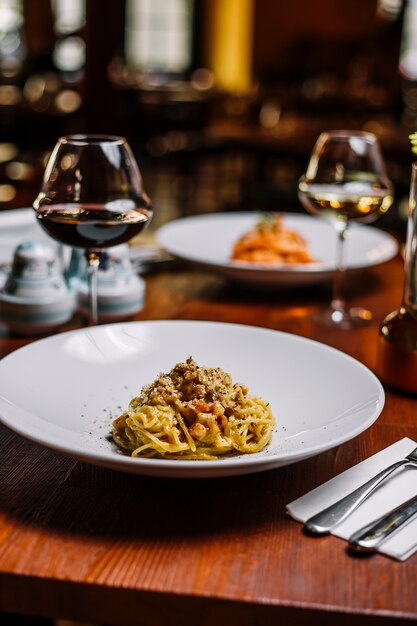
{"x": 220, "y": 100}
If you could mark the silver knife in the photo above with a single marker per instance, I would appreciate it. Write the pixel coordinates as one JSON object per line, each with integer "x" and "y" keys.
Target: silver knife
{"x": 371, "y": 536}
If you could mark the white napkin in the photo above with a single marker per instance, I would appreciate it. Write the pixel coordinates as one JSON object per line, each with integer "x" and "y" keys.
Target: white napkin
{"x": 400, "y": 486}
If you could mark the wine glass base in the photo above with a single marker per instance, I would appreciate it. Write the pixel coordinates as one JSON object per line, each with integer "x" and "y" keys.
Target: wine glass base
{"x": 343, "y": 318}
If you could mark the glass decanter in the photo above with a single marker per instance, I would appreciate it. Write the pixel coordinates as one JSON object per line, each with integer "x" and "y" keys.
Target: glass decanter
{"x": 397, "y": 343}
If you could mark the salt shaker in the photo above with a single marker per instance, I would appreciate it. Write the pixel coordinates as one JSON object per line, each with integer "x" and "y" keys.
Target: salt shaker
{"x": 35, "y": 298}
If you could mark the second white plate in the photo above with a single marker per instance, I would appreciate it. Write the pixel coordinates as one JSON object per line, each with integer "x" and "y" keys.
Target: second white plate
{"x": 207, "y": 241}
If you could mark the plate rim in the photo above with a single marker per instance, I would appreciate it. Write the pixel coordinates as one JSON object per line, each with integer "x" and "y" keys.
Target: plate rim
{"x": 181, "y": 468}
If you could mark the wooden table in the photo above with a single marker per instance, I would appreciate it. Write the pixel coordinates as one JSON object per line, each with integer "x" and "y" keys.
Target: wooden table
{"x": 85, "y": 543}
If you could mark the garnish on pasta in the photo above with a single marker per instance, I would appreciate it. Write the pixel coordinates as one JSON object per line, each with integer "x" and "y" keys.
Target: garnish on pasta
{"x": 194, "y": 413}
{"x": 270, "y": 242}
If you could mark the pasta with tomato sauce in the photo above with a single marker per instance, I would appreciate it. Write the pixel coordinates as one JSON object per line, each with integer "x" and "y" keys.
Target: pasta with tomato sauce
{"x": 269, "y": 242}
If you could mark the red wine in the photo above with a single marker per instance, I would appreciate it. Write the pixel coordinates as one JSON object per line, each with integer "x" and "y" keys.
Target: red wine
{"x": 92, "y": 225}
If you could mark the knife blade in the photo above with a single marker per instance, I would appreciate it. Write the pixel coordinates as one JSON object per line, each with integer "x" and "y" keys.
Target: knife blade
{"x": 370, "y": 537}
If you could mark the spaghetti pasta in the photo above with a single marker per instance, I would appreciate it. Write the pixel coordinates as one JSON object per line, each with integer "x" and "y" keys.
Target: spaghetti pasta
{"x": 194, "y": 413}
{"x": 270, "y": 242}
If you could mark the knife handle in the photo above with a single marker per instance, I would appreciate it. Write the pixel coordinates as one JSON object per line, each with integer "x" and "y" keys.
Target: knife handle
{"x": 372, "y": 535}
{"x": 323, "y": 522}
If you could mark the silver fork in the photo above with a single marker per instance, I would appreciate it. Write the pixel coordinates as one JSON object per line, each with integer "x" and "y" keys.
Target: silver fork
{"x": 323, "y": 522}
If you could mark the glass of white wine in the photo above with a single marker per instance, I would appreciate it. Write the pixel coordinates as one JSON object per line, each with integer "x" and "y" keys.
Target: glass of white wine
{"x": 345, "y": 180}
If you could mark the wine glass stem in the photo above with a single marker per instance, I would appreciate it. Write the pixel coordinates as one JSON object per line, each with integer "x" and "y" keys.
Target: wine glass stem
{"x": 338, "y": 302}
{"x": 93, "y": 262}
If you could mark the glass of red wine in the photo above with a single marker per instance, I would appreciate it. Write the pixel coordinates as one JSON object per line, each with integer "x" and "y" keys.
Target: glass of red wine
{"x": 92, "y": 198}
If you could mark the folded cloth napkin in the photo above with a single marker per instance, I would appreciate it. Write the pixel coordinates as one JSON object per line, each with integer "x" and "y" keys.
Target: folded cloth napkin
{"x": 395, "y": 490}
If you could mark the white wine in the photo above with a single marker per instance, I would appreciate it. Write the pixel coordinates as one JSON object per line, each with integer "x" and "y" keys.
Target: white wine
{"x": 345, "y": 202}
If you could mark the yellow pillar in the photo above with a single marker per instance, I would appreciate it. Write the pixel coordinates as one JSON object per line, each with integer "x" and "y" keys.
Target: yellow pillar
{"x": 230, "y": 45}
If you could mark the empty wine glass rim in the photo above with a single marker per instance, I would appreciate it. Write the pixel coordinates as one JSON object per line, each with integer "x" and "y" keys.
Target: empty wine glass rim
{"x": 84, "y": 139}
{"x": 350, "y": 133}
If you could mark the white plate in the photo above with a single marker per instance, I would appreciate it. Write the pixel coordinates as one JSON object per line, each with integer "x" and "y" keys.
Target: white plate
{"x": 64, "y": 391}
{"x": 207, "y": 241}
{"x": 16, "y": 226}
